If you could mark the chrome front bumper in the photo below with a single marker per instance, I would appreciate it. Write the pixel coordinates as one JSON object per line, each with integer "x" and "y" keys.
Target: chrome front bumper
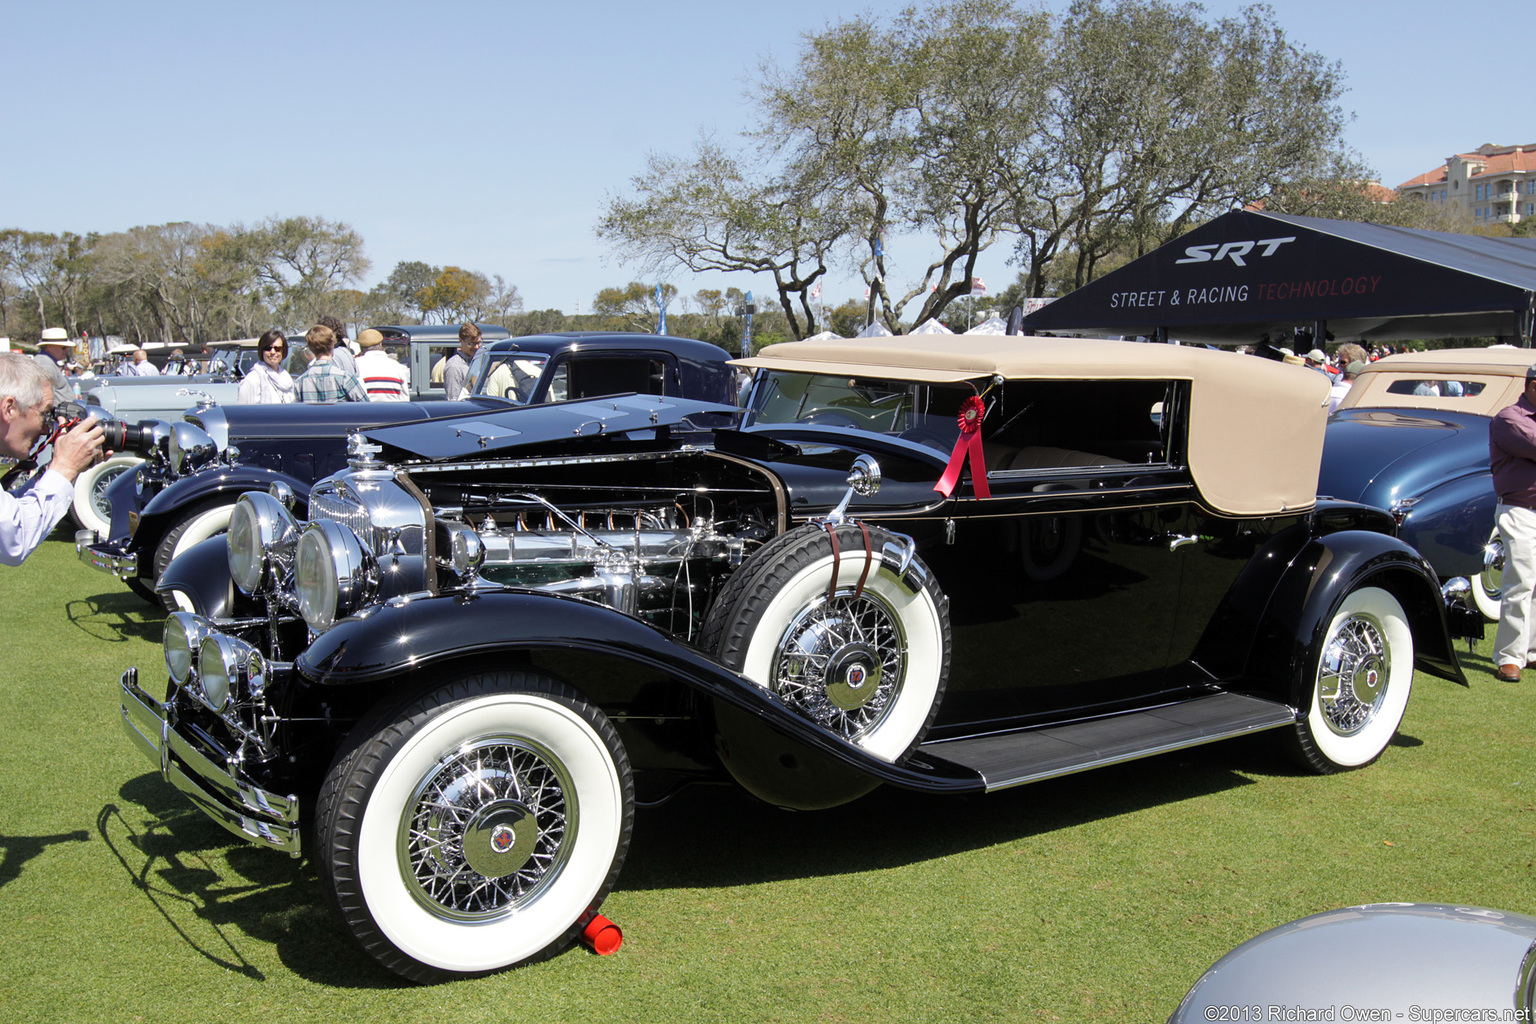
{"x": 202, "y": 771}
{"x": 105, "y": 555}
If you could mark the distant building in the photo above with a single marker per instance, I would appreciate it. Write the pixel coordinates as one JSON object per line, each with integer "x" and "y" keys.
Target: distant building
{"x": 1492, "y": 184}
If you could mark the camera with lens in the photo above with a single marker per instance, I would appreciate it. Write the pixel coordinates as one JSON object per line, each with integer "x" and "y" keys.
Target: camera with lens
{"x": 120, "y": 436}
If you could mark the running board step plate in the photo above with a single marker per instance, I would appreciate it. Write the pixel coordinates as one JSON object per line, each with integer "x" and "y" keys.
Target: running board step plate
{"x": 1014, "y": 758}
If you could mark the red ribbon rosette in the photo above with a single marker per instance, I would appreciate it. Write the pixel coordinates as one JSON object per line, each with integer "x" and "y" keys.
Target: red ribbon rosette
{"x": 969, "y": 444}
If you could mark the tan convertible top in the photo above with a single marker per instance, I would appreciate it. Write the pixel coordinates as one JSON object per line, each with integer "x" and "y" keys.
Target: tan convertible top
{"x": 1256, "y": 426}
{"x": 1500, "y": 369}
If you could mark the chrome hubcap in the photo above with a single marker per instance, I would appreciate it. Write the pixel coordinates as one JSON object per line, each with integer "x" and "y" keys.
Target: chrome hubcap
{"x": 486, "y": 829}
{"x": 841, "y": 662}
{"x": 1352, "y": 679}
{"x": 1491, "y": 579}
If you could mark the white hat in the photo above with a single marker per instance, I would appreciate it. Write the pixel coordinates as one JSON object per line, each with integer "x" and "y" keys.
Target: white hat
{"x": 54, "y": 336}
{"x": 1317, "y": 356}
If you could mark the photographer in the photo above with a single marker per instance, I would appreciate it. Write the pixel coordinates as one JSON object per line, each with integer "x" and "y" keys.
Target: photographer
{"x": 30, "y": 513}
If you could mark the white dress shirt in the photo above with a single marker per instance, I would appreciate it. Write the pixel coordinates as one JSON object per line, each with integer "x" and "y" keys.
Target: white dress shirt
{"x": 29, "y": 515}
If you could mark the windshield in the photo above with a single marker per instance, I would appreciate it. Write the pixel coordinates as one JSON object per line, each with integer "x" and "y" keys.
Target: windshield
{"x": 924, "y": 413}
{"x": 510, "y": 375}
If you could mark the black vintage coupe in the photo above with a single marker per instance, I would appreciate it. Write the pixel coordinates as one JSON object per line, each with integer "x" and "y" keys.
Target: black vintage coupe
{"x": 199, "y": 466}
{"x": 951, "y": 564}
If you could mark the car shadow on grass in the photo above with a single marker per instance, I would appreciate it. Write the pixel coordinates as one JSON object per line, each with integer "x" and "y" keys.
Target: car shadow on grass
{"x": 224, "y": 898}
{"x": 221, "y": 896}
{"x": 714, "y": 837}
{"x": 116, "y": 617}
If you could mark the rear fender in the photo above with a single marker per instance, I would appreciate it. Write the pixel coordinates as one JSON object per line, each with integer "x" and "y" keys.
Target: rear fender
{"x": 1450, "y": 524}
{"x": 1312, "y": 586}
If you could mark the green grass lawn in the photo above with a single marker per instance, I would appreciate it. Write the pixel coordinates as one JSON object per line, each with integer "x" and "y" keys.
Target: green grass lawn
{"x": 1094, "y": 898}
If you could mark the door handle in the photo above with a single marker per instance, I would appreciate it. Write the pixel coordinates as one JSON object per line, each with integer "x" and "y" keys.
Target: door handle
{"x": 1181, "y": 540}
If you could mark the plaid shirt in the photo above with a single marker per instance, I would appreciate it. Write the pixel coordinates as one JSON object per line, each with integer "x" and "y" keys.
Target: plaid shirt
{"x": 325, "y": 382}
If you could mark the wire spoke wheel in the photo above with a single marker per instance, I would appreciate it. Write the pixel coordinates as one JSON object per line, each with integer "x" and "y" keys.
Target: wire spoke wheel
{"x": 841, "y": 662}
{"x": 1359, "y": 678}
{"x": 1353, "y": 675}
{"x": 485, "y": 831}
{"x": 839, "y": 636}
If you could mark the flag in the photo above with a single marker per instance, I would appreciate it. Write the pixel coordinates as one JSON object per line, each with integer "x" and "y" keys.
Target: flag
{"x": 816, "y": 291}
{"x": 978, "y": 286}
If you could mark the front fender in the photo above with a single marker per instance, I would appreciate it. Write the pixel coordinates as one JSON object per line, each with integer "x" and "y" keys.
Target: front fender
{"x": 235, "y": 479}
{"x": 201, "y": 576}
{"x": 123, "y": 495}
{"x": 171, "y": 505}
{"x": 390, "y": 639}
{"x": 1314, "y": 583}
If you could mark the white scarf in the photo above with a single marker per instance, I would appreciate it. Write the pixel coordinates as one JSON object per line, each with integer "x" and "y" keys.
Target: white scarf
{"x": 273, "y": 386}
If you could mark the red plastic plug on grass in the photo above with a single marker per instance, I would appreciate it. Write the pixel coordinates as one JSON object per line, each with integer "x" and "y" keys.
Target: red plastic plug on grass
{"x": 602, "y": 936}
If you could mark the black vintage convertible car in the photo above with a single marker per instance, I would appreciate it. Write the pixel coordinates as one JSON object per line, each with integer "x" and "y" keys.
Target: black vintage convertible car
{"x": 199, "y": 466}
{"x": 954, "y": 565}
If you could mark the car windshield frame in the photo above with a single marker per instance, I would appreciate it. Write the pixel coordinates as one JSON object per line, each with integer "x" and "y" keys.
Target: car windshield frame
{"x": 511, "y": 376}
{"x": 910, "y": 410}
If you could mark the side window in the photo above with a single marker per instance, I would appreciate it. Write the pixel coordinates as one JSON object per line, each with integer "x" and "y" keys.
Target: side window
{"x": 1436, "y": 388}
{"x": 593, "y": 376}
{"x": 1049, "y": 425}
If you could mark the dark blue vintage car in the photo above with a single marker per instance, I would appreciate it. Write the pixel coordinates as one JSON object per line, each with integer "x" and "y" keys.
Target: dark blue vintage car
{"x": 953, "y": 564}
{"x": 1412, "y": 437}
{"x": 200, "y": 466}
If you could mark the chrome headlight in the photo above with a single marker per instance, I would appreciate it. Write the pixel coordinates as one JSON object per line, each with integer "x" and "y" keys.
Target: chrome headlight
{"x": 190, "y": 448}
{"x": 184, "y": 633}
{"x": 224, "y": 662}
{"x": 262, "y": 535}
{"x": 334, "y": 574}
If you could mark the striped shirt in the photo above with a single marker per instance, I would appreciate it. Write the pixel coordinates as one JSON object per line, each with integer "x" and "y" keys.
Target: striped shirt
{"x": 383, "y": 378}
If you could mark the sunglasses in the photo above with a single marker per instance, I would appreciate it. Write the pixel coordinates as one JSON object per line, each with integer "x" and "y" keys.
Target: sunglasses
{"x": 279, "y": 349}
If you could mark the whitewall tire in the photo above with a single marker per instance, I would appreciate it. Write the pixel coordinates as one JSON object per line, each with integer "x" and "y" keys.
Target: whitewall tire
{"x": 91, "y": 510}
{"x": 477, "y": 827}
{"x": 1488, "y": 585}
{"x": 1362, "y": 674}
{"x": 196, "y": 528}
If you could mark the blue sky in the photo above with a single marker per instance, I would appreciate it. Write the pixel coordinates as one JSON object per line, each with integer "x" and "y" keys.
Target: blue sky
{"x": 487, "y": 134}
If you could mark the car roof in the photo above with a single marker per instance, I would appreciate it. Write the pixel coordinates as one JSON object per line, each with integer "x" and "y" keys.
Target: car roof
{"x": 1255, "y": 425}
{"x": 438, "y": 332}
{"x": 576, "y": 341}
{"x": 1499, "y": 368}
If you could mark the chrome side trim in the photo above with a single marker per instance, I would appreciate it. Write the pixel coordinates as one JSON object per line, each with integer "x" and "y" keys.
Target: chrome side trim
{"x": 416, "y": 468}
{"x": 250, "y": 812}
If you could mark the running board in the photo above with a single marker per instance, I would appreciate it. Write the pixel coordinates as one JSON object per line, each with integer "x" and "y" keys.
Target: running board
{"x": 1014, "y": 758}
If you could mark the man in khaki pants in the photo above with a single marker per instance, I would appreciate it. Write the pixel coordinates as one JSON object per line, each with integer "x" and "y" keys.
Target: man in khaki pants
{"x": 1512, "y": 452}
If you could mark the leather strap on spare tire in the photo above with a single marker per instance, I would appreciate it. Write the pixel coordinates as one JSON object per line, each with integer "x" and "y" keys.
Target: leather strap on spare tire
{"x": 837, "y": 557}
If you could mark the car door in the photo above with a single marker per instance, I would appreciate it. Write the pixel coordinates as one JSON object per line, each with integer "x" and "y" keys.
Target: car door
{"x": 1064, "y": 583}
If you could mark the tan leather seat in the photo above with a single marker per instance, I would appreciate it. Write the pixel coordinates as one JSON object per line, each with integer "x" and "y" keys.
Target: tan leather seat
{"x": 1043, "y": 457}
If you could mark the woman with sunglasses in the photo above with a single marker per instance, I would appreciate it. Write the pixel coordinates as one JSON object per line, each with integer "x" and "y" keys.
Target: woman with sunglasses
{"x": 268, "y": 382}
